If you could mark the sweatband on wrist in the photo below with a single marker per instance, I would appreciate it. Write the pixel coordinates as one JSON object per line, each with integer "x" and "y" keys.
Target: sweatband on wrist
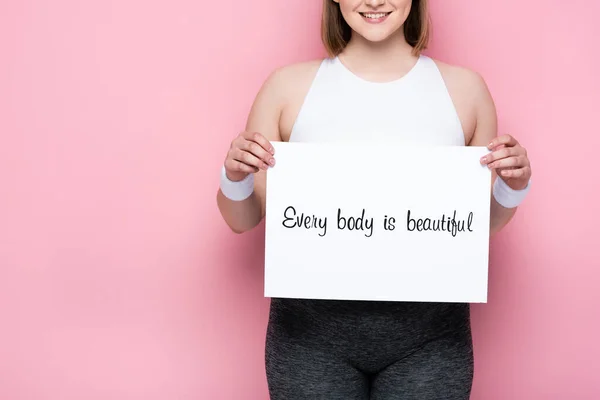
{"x": 508, "y": 197}
{"x": 236, "y": 191}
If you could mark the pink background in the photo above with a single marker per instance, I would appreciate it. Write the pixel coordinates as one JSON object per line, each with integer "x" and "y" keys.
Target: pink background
{"x": 118, "y": 278}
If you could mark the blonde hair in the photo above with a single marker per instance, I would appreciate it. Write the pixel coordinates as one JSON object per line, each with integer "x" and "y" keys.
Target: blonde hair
{"x": 335, "y": 32}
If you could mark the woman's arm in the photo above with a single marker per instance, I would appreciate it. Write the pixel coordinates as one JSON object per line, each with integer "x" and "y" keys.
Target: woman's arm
{"x": 507, "y": 158}
{"x": 251, "y": 153}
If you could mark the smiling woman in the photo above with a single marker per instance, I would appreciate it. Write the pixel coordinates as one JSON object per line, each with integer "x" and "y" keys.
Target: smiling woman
{"x": 358, "y": 349}
{"x": 341, "y": 19}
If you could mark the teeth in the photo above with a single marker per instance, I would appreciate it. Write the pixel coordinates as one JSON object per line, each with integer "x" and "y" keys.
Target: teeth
{"x": 375, "y": 16}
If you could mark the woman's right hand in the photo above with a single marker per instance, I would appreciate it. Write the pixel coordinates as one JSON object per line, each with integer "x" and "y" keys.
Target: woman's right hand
{"x": 249, "y": 153}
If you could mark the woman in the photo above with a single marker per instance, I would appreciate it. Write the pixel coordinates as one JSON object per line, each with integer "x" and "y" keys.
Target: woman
{"x": 376, "y": 82}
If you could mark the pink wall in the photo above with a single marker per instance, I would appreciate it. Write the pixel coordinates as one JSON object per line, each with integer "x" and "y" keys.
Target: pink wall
{"x": 118, "y": 279}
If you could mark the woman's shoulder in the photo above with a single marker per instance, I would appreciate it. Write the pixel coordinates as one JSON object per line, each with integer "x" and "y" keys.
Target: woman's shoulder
{"x": 284, "y": 81}
{"x": 292, "y": 78}
{"x": 299, "y": 69}
{"x": 281, "y": 90}
{"x": 466, "y": 80}
{"x": 288, "y": 83}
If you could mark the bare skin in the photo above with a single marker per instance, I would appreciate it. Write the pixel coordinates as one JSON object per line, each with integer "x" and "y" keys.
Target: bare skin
{"x": 278, "y": 103}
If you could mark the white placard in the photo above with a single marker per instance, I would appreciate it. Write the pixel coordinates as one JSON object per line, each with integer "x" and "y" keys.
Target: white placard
{"x": 361, "y": 221}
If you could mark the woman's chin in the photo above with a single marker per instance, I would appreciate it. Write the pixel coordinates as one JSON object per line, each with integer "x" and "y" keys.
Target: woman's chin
{"x": 376, "y": 36}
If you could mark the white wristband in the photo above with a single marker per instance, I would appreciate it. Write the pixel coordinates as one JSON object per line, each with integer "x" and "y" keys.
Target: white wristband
{"x": 508, "y": 197}
{"x": 236, "y": 191}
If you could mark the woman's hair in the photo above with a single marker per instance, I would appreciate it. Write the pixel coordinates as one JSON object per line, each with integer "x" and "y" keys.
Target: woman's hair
{"x": 335, "y": 32}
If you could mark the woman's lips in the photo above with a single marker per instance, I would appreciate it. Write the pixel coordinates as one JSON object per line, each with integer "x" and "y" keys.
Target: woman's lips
{"x": 375, "y": 17}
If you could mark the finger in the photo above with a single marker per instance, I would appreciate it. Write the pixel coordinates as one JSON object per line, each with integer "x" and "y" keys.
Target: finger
{"x": 249, "y": 159}
{"x": 509, "y": 162}
{"x": 241, "y": 157}
{"x": 261, "y": 140}
{"x": 500, "y": 154}
{"x": 516, "y": 173}
{"x": 238, "y": 166}
{"x": 258, "y": 151}
{"x": 506, "y": 140}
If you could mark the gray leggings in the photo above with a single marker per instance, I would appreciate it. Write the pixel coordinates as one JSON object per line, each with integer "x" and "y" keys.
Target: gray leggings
{"x": 351, "y": 350}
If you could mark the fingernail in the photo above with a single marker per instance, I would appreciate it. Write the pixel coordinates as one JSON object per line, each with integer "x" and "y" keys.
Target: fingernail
{"x": 483, "y": 160}
{"x": 272, "y": 161}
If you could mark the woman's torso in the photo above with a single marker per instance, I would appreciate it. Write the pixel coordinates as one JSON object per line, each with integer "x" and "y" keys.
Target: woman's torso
{"x": 327, "y": 102}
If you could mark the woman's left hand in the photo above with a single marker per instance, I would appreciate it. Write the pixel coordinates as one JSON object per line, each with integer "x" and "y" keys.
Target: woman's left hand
{"x": 510, "y": 161}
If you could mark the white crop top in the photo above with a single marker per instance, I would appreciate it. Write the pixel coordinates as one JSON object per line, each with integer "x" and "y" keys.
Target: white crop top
{"x": 414, "y": 109}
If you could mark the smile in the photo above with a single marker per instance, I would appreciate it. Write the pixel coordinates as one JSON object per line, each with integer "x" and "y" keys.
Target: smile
{"x": 375, "y": 17}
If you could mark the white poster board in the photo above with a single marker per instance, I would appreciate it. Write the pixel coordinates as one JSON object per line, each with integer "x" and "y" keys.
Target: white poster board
{"x": 361, "y": 221}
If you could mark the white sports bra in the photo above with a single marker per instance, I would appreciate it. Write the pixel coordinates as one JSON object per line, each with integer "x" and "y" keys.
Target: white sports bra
{"x": 415, "y": 109}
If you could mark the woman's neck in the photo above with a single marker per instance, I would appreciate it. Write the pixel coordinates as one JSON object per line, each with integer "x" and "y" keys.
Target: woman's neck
{"x": 383, "y": 60}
